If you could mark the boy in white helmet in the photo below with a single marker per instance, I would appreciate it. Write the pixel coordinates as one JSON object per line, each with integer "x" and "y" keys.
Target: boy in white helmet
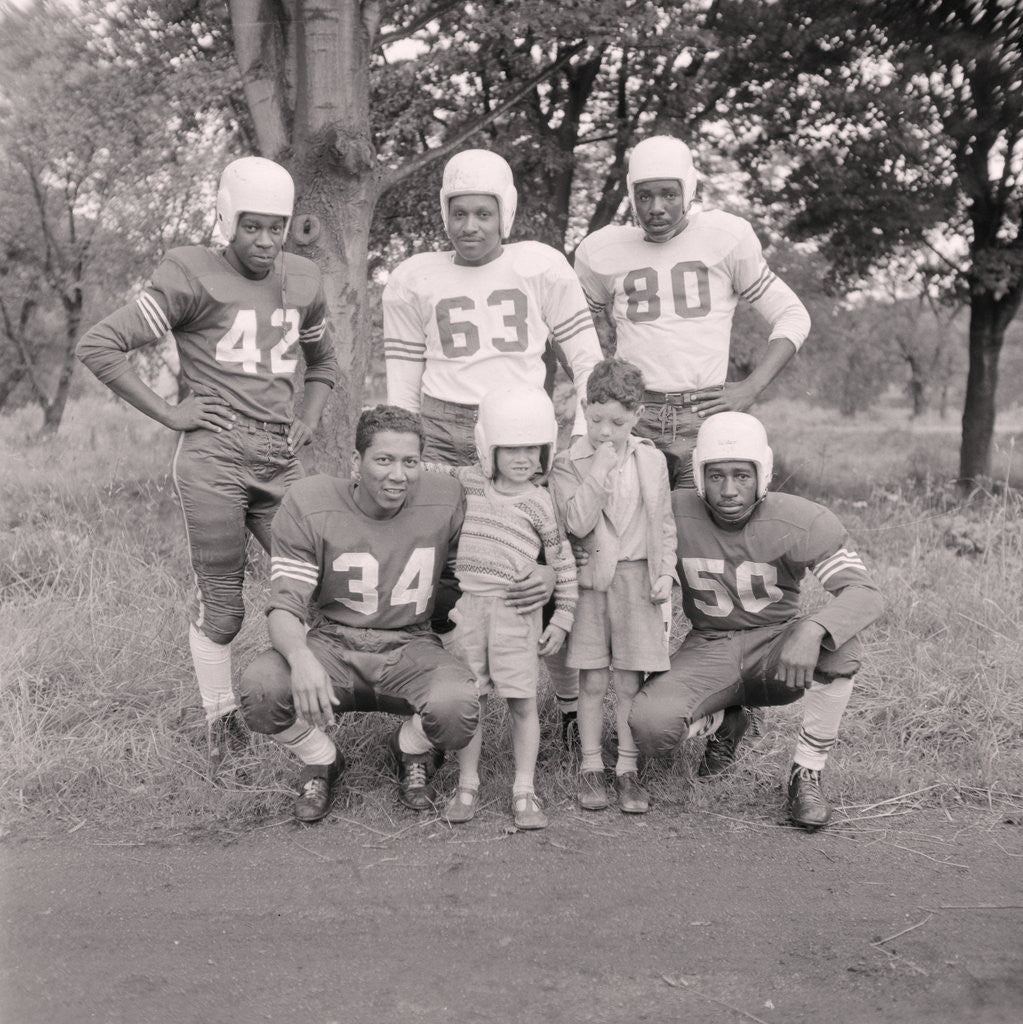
{"x": 509, "y": 520}
{"x": 669, "y": 287}
{"x": 241, "y": 315}
{"x": 742, "y": 556}
{"x": 458, "y": 323}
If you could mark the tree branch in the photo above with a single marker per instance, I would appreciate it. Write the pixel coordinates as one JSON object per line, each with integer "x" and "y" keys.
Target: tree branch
{"x": 415, "y": 165}
{"x": 414, "y": 26}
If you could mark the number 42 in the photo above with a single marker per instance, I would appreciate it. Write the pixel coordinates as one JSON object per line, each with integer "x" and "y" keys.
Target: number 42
{"x": 239, "y": 344}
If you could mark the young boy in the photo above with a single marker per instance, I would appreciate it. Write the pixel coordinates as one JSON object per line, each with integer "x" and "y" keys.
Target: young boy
{"x": 508, "y": 518}
{"x": 612, "y": 490}
{"x": 238, "y": 315}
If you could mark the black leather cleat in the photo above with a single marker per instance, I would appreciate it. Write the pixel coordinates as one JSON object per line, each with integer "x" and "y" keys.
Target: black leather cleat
{"x": 415, "y": 775}
{"x": 316, "y": 789}
{"x": 808, "y": 806}
{"x": 721, "y": 747}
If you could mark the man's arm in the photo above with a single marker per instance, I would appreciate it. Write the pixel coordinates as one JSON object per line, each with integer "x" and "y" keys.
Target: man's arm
{"x": 739, "y": 395}
{"x": 310, "y": 685}
{"x": 404, "y": 346}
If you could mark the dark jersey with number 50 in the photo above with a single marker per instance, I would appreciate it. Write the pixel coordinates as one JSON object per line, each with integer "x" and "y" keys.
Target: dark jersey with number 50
{"x": 360, "y": 571}
{"x": 750, "y": 577}
{"x": 238, "y": 339}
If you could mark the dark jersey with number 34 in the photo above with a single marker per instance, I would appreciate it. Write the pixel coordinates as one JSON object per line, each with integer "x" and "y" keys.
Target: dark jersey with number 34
{"x": 360, "y": 571}
{"x": 238, "y": 339}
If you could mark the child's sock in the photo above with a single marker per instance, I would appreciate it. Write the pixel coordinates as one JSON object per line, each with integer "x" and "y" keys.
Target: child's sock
{"x": 592, "y": 761}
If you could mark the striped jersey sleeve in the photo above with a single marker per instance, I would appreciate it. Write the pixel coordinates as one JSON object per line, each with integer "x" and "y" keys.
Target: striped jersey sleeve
{"x": 404, "y": 344}
{"x": 317, "y": 345}
{"x": 168, "y": 300}
{"x": 294, "y": 562}
{"x": 755, "y": 282}
{"x": 832, "y": 558}
{"x": 567, "y": 313}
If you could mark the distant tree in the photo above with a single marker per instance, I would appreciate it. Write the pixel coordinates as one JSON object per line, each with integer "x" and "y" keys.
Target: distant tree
{"x": 900, "y": 123}
{"x": 99, "y": 173}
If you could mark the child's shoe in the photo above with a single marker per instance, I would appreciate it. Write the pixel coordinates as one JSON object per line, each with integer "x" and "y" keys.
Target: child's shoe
{"x": 462, "y": 806}
{"x": 632, "y": 797}
{"x": 527, "y": 811}
{"x": 592, "y": 791}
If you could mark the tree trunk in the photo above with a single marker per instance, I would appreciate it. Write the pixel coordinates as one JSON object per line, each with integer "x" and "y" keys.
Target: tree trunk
{"x": 989, "y": 318}
{"x": 53, "y": 410}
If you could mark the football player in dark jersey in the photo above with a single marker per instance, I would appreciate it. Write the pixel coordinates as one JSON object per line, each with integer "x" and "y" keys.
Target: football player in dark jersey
{"x": 358, "y": 561}
{"x": 239, "y": 316}
{"x": 742, "y": 556}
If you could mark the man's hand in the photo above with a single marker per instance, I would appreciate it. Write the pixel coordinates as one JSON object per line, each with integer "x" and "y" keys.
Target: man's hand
{"x": 197, "y": 412}
{"x": 531, "y": 591}
{"x": 661, "y": 590}
{"x": 799, "y": 654}
{"x": 299, "y": 435}
{"x": 310, "y": 687}
{"x": 551, "y": 640}
{"x": 735, "y": 396}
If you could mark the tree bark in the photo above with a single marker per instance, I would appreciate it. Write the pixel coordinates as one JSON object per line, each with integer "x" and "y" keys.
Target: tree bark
{"x": 989, "y": 318}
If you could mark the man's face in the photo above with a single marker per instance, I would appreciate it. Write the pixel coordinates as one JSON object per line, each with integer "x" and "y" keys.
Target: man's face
{"x": 474, "y": 227}
{"x": 257, "y": 241}
{"x": 387, "y": 470}
{"x": 610, "y": 421}
{"x": 660, "y": 208}
{"x": 731, "y": 489}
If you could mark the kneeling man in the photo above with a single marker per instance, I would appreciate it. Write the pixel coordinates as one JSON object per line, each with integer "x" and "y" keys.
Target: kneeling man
{"x": 742, "y": 556}
{"x": 366, "y": 553}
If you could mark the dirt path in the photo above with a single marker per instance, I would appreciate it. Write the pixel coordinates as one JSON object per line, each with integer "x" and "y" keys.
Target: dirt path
{"x": 598, "y": 919}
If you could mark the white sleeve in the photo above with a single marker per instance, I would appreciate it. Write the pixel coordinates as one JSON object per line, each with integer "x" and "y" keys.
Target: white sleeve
{"x": 404, "y": 345}
{"x": 598, "y": 296}
{"x": 769, "y": 295}
{"x": 567, "y": 315}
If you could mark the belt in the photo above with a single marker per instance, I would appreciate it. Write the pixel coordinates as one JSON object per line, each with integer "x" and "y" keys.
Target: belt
{"x": 253, "y": 425}
{"x": 459, "y": 412}
{"x": 677, "y": 397}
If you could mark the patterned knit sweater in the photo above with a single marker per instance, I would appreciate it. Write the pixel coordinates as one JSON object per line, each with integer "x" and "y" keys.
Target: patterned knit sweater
{"x": 501, "y": 540}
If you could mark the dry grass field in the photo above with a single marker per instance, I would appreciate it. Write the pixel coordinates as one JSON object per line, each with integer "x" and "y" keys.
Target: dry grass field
{"x": 95, "y": 681}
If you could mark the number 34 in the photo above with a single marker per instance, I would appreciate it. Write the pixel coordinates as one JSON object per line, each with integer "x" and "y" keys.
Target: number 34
{"x": 239, "y": 345}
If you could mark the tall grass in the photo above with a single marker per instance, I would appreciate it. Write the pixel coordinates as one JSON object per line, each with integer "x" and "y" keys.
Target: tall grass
{"x": 96, "y": 685}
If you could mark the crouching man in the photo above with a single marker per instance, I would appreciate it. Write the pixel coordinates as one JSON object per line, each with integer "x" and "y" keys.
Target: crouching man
{"x": 742, "y": 556}
{"x": 365, "y": 554}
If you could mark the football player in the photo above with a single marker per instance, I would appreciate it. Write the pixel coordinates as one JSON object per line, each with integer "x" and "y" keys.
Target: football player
{"x": 742, "y": 556}
{"x": 459, "y": 323}
{"x": 365, "y": 554}
{"x": 669, "y": 287}
{"x": 240, "y": 316}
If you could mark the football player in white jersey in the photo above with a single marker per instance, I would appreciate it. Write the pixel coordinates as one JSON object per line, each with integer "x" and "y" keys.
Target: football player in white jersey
{"x": 459, "y": 323}
{"x": 669, "y": 287}
{"x": 239, "y": 315}
{"x": 742, "y": 556}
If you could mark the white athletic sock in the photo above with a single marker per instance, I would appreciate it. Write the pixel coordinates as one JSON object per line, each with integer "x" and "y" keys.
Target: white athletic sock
{"x": 706, "y": 726}
{"x": 412, "y": 739}
{"x": 309, "y": 744}
{"x": 212, "y": 664}
{"x": 823, "y": 706}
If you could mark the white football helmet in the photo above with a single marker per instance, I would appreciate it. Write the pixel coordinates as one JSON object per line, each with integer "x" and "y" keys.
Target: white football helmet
{"x": 728, "y": 437}
{"x": 254, "y": 184}
{"x": 515, "y": 416}
{"x": 480, "y": 172}
{"x": 662, "y": 156}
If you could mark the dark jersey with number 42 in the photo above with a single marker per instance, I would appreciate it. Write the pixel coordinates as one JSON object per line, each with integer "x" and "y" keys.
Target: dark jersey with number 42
{"x": 238, "y": 339}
